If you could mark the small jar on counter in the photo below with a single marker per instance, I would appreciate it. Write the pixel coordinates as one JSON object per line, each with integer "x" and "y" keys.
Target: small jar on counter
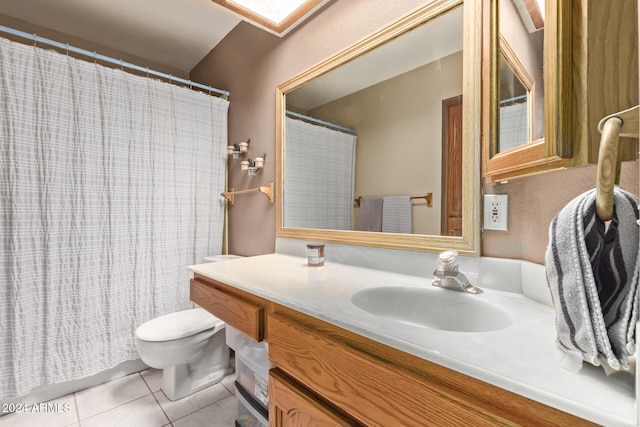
{"x": 315, "y": 254}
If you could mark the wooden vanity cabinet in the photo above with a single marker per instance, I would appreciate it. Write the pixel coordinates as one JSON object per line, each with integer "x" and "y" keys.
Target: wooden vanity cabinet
{"x": 242, "y": 310}
{"x": 327, "y": 376}
{"x": 324, "y": 373}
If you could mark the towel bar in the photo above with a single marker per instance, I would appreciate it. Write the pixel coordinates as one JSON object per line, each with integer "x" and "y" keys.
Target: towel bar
{"x": 428, "y": 197}
{"x": 624, "y": 123}
{"x": 266, "y": 190}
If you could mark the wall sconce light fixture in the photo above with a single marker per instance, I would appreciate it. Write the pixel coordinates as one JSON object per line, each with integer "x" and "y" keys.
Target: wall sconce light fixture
{"x": 251, "y": 166}
{"x": 238, "y": 150}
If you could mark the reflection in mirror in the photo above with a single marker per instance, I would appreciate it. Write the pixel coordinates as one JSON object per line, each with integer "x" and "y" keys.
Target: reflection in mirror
{"x": 515, "y": 101}
{"x": 521, "y": 100}
{"x": 374, "y": 145}
{"x": 377, "y": 131}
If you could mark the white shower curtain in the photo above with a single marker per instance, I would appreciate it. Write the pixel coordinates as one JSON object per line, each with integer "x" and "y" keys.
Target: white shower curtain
{"x": 319, "y": 172}
{"x": 109, "y": 189}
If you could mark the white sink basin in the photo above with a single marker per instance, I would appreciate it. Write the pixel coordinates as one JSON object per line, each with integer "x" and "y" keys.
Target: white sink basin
{"x": 433, "y": 308}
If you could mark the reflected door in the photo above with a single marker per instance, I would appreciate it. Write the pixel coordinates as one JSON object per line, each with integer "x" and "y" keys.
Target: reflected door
{"x": 452, "y": 166}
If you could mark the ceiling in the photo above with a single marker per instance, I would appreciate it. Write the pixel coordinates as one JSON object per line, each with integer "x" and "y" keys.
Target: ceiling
{"x": 174, "y": 33}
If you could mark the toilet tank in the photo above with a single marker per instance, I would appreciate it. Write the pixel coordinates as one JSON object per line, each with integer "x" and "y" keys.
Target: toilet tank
{"x": 219, "y": 258}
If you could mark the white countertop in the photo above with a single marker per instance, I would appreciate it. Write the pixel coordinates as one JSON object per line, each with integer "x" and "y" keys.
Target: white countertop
{"x": 522, "y": 358}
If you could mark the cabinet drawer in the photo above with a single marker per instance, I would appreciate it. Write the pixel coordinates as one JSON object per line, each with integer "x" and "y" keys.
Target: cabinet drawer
{"x": 293, "y": 405}
{"x": 244, "y": 315}
{"x": 367, "y": 389}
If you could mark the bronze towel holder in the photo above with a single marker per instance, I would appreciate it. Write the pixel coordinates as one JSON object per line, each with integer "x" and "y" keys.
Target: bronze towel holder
{"x": 624, "y": 123}
{"x": 266, "y": 190}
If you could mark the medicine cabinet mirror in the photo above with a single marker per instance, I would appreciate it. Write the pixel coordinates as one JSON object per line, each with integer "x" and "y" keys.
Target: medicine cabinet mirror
{"x": 527, "y": 91}
{"x": 395, "y": 115}
{"x": 516, "y": 101}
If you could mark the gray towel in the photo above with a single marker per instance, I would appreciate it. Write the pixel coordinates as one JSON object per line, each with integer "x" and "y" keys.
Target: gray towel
{"x": 396, "y": 214}
{"x": 592, "y": 272}
{"x": 370, "y": 218}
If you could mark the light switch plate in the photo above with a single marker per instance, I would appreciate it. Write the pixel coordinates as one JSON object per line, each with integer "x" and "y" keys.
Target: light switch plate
{"x": 496, "y": 211}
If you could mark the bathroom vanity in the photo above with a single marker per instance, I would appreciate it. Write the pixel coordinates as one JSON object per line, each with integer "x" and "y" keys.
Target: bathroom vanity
{"x": 345, "y": 351}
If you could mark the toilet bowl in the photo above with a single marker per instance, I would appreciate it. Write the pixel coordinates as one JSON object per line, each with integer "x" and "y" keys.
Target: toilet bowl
{"x": 189, "y": 346}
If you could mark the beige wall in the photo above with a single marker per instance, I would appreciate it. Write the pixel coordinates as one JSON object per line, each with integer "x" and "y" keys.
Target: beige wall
{"x": 251, "y": 63}
{"x": 399, "y": 124}
{"x": 534, "y": 201}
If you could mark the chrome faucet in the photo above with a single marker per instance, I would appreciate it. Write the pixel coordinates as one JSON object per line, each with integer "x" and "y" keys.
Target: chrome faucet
{"x": 448, "y": 276}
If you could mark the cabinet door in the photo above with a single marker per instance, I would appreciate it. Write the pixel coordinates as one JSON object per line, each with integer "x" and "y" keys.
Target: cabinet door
{"x": 291, "y": 405}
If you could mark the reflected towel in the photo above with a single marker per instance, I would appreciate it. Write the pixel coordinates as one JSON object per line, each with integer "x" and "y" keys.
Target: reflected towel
{"x": 592, "y": 272}
{"x": 396, "y": 214}
{"x": 370, "y": 218}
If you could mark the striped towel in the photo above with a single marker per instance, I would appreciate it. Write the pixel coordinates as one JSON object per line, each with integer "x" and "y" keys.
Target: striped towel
{"x": 592, "y": 272}
{"x": 396, "y": 214}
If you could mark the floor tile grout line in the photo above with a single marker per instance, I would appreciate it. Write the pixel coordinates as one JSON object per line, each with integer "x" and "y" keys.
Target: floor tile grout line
{"x": 167, "y": 415}
{"x": 155, "y": 398}
{"x": 211, "y": 404}
{"x": 199, "y": 409}
{"x": 145, "y": 381}
{"x": 75, "y": 401}
{"x": 231, "y": 394}
{"x": 115, "y": 407}
{"x": 161, "y": 408}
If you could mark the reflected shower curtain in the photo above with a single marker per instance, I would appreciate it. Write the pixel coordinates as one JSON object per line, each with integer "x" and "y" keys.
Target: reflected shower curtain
{"x": 513, "y": 126}
{"x": 108, "y": 191}
{"x": 319, "y": 173}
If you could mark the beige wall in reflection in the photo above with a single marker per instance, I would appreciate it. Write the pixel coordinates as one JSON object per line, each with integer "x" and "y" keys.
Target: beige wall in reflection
{"x": 399, "y": 124}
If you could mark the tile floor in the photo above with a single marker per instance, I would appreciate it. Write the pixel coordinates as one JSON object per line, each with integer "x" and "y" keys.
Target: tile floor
{"x": 135, "y": 400}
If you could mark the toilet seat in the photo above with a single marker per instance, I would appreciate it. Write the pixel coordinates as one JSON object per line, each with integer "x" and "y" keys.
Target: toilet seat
{"x": 177, "y": 325}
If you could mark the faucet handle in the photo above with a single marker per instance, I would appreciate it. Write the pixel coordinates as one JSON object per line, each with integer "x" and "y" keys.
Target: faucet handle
{"x": 447, "y": 261}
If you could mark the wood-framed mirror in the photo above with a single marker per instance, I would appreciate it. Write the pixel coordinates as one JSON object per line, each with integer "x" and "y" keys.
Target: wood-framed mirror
{"x": 441, "y": 181}
{"x": 533, "y": 35}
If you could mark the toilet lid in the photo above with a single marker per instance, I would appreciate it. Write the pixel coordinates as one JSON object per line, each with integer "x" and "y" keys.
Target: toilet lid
{"x": 177, "y": 325}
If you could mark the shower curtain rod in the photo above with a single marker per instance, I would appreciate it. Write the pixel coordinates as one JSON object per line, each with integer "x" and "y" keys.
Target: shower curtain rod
{"x": 321, "y": 122}
{"x": 121, "y": 63}
{"x": 515, "y": 98}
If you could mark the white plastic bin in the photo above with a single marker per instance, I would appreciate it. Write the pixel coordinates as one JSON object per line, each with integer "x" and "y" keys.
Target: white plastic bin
{"x": 252, "y": 369}
{"x": 248, "y": 415}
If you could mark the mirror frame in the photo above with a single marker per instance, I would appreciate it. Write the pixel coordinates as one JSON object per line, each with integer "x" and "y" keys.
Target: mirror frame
{"x": 555, "y": 149}
{"x": 470, "y": 242}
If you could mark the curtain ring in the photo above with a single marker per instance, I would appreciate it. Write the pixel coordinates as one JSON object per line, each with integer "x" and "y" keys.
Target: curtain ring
{"x": 147, "y": 72}
{"x": 67, "y": 49}
{"x": 121, "y": 65}
{"x": 95, "y": 57}
{"x": 35, "y": 39}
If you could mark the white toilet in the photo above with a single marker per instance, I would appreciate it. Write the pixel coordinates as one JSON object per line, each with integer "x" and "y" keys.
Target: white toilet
{"x": 188, "y": 345}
